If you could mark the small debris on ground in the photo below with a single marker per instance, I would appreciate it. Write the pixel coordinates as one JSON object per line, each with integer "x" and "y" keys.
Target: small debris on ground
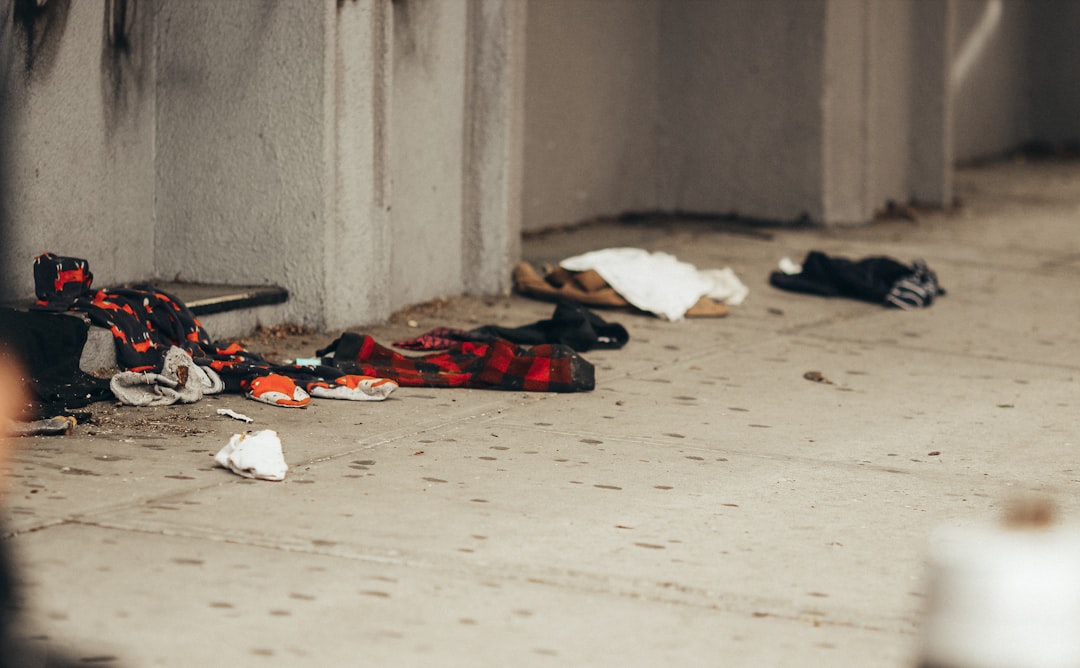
{"x": 55, "y": 426}
{"x": 112, "y": 420}
{"x": 817, "y": 377}
{"x": 228, "y": 412}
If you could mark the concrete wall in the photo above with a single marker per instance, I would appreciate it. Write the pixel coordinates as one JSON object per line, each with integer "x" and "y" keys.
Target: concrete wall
{"x": 80, "y": 106}
{"x": 886, "y": 107}
{"x": 1014, "y": 73}
{"x": 890, "y": 38}
{"x": 494, "y": 149}
{"x": 930, "y": 103}
{"x": 353, "y": 248}
{"x": 740, "y": 90}
{"x": 324, "y": 146}
{"x": 990, "y": 77}
{"x": 1055, "y": 71}
{"x": 426, "y": 139}
{"x": 370, "y": 155}
{"x": 591, "y": 109}
{"x": 823, "y": 109}
{"x": 239, "y": 169}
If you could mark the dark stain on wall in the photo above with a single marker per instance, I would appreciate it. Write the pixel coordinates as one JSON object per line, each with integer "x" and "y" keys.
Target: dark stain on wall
{"x": 119, "y": 20}
{"x": 123, "y": 59}
{"x": 416, "y": 36}
{"x": 404, "y": 30}
{"x": 40, "y": 25}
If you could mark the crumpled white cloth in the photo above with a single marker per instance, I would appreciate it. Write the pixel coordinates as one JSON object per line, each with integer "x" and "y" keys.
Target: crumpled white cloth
{"x": 726, "y": 286}
{"x": 658, "y": 282}
{"x": 254, "y": 455}
{"x": 166, "y": 388}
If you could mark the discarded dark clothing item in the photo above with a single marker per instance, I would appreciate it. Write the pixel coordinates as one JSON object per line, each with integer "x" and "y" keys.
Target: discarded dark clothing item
{"x": 499, "y": 365}
{"x": 917, "y": 290}
{"x": 50, "y": 345}
{"x": 571, "y": 325}
{"x": 881, "y": 280}
{"x": 147, "y": 323}
{"x": 58, "y": 281}
{"x": 144, "y": 322}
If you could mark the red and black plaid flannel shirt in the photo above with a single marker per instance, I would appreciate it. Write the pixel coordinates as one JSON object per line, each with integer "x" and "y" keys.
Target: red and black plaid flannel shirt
{"x": 499, "y": 365}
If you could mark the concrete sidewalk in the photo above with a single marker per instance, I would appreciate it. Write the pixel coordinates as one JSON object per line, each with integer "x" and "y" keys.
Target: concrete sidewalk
{"x": 704, "y": 506}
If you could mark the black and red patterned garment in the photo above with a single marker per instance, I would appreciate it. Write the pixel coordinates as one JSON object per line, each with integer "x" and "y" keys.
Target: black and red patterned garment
{"x": 498, "y": 365}
{"x": 146, "y": 323}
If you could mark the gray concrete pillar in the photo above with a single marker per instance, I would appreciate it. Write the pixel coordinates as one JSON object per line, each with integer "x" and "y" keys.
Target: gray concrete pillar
{"x": 492, "y": 201}
{"x": 427, "y": 106}
{"x": 455, "y": 146}
{"x": 847, "y": 156}
{"x": 932, "y": 154}
{"x": 887, "y": 107}
{"x": 355, "y": 246}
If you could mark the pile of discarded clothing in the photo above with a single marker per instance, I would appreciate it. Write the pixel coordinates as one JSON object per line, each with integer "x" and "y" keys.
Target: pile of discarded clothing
{"x": 166, "y": 356}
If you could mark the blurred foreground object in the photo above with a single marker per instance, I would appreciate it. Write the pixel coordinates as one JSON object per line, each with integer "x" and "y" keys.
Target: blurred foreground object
{"x": 1004, "y": 595}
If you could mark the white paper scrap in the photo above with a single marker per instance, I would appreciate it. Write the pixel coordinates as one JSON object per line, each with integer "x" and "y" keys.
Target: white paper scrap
{"x": 254, "y": 455}
{"x": 228, "y": 412}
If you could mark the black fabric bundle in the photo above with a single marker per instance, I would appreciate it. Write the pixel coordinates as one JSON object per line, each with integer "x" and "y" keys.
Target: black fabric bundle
{"x": 570, "y": 325}
{"x": 878, "y": 279}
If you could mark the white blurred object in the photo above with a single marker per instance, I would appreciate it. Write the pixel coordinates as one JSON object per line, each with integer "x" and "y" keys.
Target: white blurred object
{"x": 789, "y": 266}
{"x": 254, "y": 455}
{"x": 1003, "y": 597}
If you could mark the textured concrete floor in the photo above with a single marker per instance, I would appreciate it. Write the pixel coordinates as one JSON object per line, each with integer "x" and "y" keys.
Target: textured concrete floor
{"x": 704, "y": 506}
